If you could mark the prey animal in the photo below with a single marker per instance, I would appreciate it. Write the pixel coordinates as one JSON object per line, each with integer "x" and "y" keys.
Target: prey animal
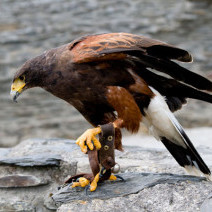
{"x": 115, "y": 78}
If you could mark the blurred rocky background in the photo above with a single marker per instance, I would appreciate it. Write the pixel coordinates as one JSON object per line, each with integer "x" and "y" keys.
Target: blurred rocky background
{"x": 29, "y": 27}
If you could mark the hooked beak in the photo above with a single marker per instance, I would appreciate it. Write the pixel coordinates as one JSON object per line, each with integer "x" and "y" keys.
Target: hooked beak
{"x": 14, "y": 95}
{"x": 17, "y": 88}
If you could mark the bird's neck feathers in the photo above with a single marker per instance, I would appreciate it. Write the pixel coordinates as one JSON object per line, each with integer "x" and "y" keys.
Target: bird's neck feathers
{"x": 37, "y": 70}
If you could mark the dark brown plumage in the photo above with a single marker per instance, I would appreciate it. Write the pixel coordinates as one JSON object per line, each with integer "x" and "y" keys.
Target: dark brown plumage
{"x": 103, "y": 74}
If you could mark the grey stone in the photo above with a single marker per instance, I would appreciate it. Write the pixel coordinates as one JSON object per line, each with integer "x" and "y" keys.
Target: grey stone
{"x": 18, "y": 181}
{"x": 30, "y": 170}
{"x": 140, "y": 192}
{"x": 134, "y": 182}
{"x": 45, "y": 152}
{"x": 19, "y": 206}
{"x": 32, "y": 160}
{"x": 207, "y": 204}
{"x": 180, "y": 196}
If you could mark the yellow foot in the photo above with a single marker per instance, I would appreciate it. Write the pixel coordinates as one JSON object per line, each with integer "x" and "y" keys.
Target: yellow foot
{"x": 86, "y": 139}
{"x": 93, "y": 185}
{"x": 112, "y": 177}
{"x": 82, "y": 182}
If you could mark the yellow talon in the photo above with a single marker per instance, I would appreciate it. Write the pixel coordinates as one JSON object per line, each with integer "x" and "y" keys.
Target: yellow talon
{"x": 82, "y": 182}
{"x": 75, "y": 184}
{"x": 112, "y": 177}
{"x": 93, "y": 185}
{"x": 86, "y": 139}
{"x": 96, "y": 142}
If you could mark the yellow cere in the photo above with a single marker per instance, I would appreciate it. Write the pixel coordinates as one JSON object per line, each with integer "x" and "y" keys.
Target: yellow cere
{"x": 18, "y": 85}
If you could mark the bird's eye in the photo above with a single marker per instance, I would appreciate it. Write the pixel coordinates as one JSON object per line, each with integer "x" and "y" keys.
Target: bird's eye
{"x": 22, "y": 78}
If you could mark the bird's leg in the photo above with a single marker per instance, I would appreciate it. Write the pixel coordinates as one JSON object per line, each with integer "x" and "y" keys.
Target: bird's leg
{"x": 86, "y": 139}
{"x": 93, "y": 185}
{"x": 118, "y": 123}
{"x": 112, "y": 177}
{"x": 115, "y": 177}
{"x": 83, "y": 182}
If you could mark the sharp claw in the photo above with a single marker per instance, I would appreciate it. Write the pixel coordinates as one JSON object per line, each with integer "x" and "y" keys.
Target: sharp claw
{"x": 83, "y": 182}
{"x": 96, "y": 142}
{"x": 82, "y": 145}
{"x": 75, "y": 184}
{"x": 121, "y": 178}
{"x": 93, "y": 185}
{"x": 90, "y": 144}
{"x": 84, "y": 149}
{"x": 86, "y": 190}
{"x": 85, "y": 140}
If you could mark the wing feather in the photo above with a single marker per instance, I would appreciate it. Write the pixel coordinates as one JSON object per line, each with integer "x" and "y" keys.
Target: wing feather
{"x": 151, "y": 53}
{"x": 116, "y": 45}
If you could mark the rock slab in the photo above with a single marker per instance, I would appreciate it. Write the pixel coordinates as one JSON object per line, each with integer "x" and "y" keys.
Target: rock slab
{"x": 141, "y": 192}
{"x": 134, "y": 183}
{"x": 207, "y": 204}
{"x": 20, "y": 181}
{"x": 27, "y": 185}
{"x": 30, "y": 170}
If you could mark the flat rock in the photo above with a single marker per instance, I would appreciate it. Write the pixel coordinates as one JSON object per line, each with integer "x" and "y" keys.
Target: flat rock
{"x": 30, "y": 170}
{"x": 207, "y": 204}
{"x": 19, "y": 181}
{"x": 181, "y": 196}
{"x": 140, "y": 192}
{"x": 134, "y": 182}
{"x": 33, "y": 160}
{"x": 149, "y": 185}
{"x": 37, "y": 152}
{"x": 19, "y": 206}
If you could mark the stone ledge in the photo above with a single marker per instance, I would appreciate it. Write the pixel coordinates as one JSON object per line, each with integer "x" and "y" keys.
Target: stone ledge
{"x": 149, "y": 186}
{"x": 134, "y": 183}
{"x": 30, "y": 170}
{"x": 141, "y": 192}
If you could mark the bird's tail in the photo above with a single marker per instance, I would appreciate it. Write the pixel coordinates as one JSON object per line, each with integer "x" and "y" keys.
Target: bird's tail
{"x": 166, "y": 127}
{"x": 187, "y": 156}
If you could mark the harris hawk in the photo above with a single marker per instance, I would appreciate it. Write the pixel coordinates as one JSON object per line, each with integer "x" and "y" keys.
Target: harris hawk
{"x": 115, "y": 78}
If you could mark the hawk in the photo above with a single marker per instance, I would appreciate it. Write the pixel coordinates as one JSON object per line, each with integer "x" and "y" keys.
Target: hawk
{"x": 115, "y": 78}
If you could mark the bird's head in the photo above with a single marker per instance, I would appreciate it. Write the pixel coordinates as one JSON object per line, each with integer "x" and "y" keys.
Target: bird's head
{"x": 28, "y": 76}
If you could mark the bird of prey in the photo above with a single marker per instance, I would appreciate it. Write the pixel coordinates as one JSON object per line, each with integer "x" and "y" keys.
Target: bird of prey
{"x": 116, "y": 78}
